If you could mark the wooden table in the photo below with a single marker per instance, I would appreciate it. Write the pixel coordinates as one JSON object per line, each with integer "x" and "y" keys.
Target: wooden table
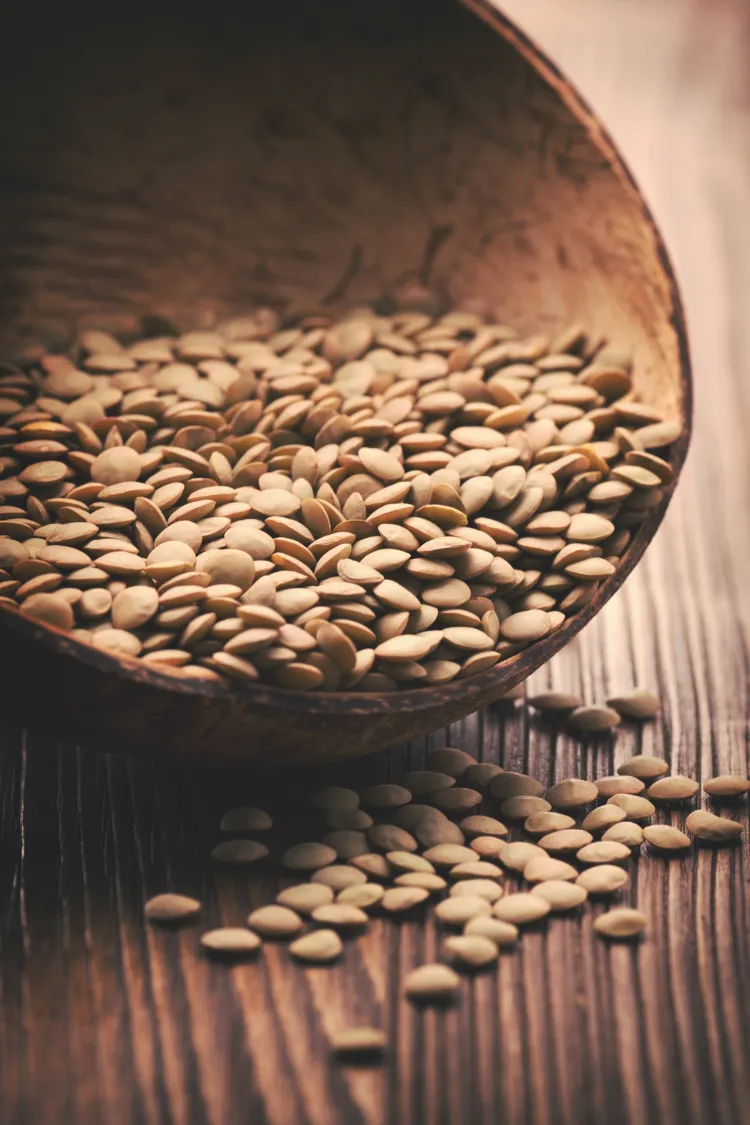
{"x": 105, "y": 1020}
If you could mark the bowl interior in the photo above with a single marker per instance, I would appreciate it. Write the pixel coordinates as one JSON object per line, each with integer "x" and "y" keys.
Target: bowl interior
{"x": 307, "y": 156}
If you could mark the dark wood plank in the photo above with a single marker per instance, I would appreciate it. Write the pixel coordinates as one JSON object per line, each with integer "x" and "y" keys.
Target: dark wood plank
{"x": 104, "y": 1020}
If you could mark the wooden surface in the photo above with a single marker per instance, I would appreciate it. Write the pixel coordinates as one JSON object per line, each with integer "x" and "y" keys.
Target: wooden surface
{"x": 103, "y": 1020}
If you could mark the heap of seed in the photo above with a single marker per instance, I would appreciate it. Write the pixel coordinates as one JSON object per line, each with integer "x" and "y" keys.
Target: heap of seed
{"x": 396, "y": 848}
{"x": 370, "y": 503}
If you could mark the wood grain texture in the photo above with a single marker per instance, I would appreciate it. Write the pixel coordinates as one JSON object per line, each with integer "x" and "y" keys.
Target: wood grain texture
{"x": 105, "y": 1021}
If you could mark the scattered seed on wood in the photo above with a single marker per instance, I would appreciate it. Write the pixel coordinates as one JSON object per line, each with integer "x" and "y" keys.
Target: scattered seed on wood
{"x": 275, "y": 921}
{"x": 521, "y": 908}
{"x": 356, "y": 820}
{"x": 635, "y": 807}
{"x": 487, "y": 847}
{"x": 478, "y": 825}
{"x": 603, "y": 851}
{"x": 640, "y": 703}
{"x": 555, "y": 701}
{"x": 246, "y": 819}
{"x": 565, "y": 841}
{"x": 539, "y": 870}
{"x": 337, "y": 876}
{"x": 503, "y": 934}
{"x": 317, "y": 947}
{"x": 429, "y": 880}
{"x": 339, "y": 915}
{"x": 518, "y": 854}
{"x": 573, "y": 793}
{"x": 359, "y": 1042}
{"x": 521, "y": 808}
{"x": 542, "y": 823}
{"x": 560, "y": 895}
{"x": 712, "y": 829}
{"x": 476, "y": 869}
{"x": 593, "y": 719}
{"x": 727, "y": 786}
{"x": 363, "y": 895}
{"x": 333, "y": 798}
{"x": 451, "y": 761}
{"x": 304, "y": 897}
{"x": 456, "y": 800}
{"x": 448, "y": 855}
{"x": 432, "y": 983}
{"x": 457, "y": 910}
{"x": 230, "y": 941}
{"x": 397, "y": 900}
{"x": 308, "y": 856}
{"x": 603, "y": 879}
{"x": 674, "y": 788}
{"x": 509, "y": 784}
{"x": 385, "y": 796}
{"x": 346, "y": 842}
{"x": 598, "y": 820}
{"x": 487, "y": 888}
{"x": 666, "y": 838}
{"x": 609, "y": 786}
{"x": 625, "y": 832}
{"x": 422, "y": 783}
{"x": 623, "y": 923}
{"x": 644, "y": 766}
{"x": 480, "y": 774}
{"x": 470, "y": 951}
{"x": 239, "y": 853}
{"x": 389, "y": 838}
{"x": 373, "y": 865}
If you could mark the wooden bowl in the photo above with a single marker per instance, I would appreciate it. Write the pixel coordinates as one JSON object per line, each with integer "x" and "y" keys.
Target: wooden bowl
{"x": 302, "y": 154}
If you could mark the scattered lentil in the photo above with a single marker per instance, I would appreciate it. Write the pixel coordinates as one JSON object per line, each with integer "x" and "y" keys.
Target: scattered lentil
{"x": 712, "y": 829}
{"x": 603, "y": 879}
{"x": 521, "y": 908}
{"x": 635, "y": 808}
{"x": 560, "y": 895}
{"x": 503, "y": 934}
{"x": 623, "y": 923}
{"x": 239, "y": 853}
{"x": 167, "y": 908}
{"x": 230, "y": 941}
{"x": 275, "y": 921}
{"x": 431, "y": 983}
{"x": 626, "y": 832}
{"x": 666, "y": 838}
{"x": 726, "y": 786}
{"x": 573, "y": 793}
{"x": 674, "y": 788}
{"x": 640, "y": 703}
{"x": 359, "y": 1042}
{"x": 603, "y": 851}
{"x": 318, "y": 947}
{"x": 644, "y": 766}
{"x": 470, "y": 951}
{"x": 246, "y": 819}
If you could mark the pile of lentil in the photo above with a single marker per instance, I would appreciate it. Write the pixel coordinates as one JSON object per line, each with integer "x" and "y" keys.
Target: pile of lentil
{"x": 534, "y": 853}
{"x": 373, "y": 502}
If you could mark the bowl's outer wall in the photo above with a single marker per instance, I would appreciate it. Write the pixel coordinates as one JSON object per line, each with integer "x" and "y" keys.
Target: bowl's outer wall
{"x": 303, "y": 156}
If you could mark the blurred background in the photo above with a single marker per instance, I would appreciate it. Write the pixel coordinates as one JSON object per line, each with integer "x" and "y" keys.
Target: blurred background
{"x": 670, "y": 80}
